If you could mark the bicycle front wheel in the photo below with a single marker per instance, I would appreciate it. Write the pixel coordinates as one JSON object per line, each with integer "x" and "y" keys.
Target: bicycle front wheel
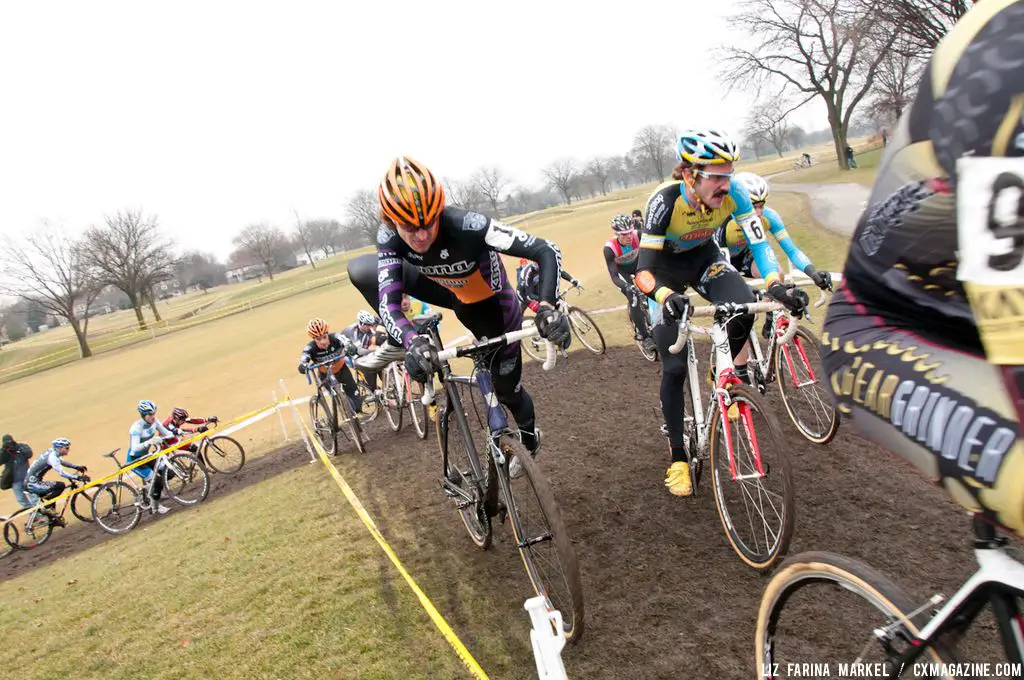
{"x": 185, "y": 479}
{"x": 28, "y": 528}
{"x": 799, "y": 618}
{"x": 224, "y": 455}
{"x": 542, "y": 539}
{"x": 369, "y": 409}
{"x": 754, "y": 487}
{"x": 393, "y": 393}
{"x": 470, "y": 482}
{"x": 534, "y": 346}
{"x": 585, "y": 328}
{"x": 325, "y": 424}
{"x": 81, "y": 504}
{"x": 117, "y": 507}
{"x": 413, "y": 394}
{"x": 804, "y": 392}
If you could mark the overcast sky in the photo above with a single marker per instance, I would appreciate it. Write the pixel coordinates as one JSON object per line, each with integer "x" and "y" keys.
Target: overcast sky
{"x": 214, "y": 115}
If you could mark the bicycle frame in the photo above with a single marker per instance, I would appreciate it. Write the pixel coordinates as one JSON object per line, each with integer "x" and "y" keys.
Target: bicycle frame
{"x": 721, "y": 358}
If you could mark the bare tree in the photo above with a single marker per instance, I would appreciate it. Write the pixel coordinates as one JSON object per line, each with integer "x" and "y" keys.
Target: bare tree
{"x": 49, "y": 269}
{"x": 363, "y": 213}
{"x": 653, "y": 143}
{"x": 600, "y": 169}
{"x": 325, "y": 235}
{"x": 304, "y": 238}
{"x": 262, "y": 243}
{"x": 561, "y": 176}
{"x": 464, "y": 194}
{"x": 129, "y": 253}
{"x": 896, "y": 85}
{"x": 491, "y": 181}
{"x": 768, "y": 123}
{"x": 920, "y": 24}
{"x": 829, "y": 49}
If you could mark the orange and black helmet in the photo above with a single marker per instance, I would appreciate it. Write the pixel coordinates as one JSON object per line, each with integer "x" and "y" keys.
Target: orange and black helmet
{"x": 410, "y": 194}
{"x": 317, "y": 327}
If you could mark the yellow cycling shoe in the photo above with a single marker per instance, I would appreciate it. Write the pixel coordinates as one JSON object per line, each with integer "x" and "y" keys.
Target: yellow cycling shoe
{"x": 678, "y": 479}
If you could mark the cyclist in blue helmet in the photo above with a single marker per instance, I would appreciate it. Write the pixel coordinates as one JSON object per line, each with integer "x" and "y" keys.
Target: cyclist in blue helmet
{"x": 144, "y": 433}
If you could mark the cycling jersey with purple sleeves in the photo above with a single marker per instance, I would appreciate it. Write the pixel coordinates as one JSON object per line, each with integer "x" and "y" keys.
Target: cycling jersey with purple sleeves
{"x": 464, "y": 259}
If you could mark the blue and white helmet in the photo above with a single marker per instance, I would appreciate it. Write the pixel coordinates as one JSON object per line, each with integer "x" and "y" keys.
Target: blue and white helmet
{"x": 60, "y": 442}
{"x": 706, "y": 147}
{"x": 366, "y": 317}
{"x": 146, "y": 407}
{"x": 755, "y": 185}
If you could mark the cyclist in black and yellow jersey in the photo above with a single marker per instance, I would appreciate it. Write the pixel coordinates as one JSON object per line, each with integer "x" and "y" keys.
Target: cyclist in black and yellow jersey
{"x": 678, "y": 250}
{"x": 924, "y": 342}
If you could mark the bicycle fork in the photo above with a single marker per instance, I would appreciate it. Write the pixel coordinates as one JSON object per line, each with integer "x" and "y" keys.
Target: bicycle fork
{"x": 727, "y": 376}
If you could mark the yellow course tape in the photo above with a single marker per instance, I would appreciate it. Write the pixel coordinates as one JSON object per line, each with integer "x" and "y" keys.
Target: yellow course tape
{"x": 431, "y": 610}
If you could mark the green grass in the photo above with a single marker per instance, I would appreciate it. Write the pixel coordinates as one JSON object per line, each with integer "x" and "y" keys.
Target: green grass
{"x": 826, "y": 172}
{"x": 276, "y": 581}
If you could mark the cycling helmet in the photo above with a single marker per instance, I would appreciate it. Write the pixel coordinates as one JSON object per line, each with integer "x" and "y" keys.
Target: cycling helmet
{"x": 756, "y": 185}
{"x": 317, "y": 327}
{"x": 61, "y": 442}
{"x": 410, "y": 194}
{"x": 179, "y": 413}
{"x": 621, "y": 224}
{"x": 706, "y": 147}
{"x": 146, "y": 407}
{"x": 366, "y": 317}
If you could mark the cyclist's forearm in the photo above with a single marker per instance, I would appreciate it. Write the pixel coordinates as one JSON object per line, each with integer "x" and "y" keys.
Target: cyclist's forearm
{"x": 795, "y": 255}
{"x": 389, "y": 293}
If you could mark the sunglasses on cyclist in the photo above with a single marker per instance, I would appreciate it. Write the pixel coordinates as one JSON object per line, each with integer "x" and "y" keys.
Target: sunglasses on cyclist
{"x": 726, "y": 176}
{"x": 758, "y": 204}
{"x": 413, "y": 228}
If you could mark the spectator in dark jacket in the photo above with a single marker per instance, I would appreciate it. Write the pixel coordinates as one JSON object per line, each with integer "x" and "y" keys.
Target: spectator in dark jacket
{"x": 15, "y": 457}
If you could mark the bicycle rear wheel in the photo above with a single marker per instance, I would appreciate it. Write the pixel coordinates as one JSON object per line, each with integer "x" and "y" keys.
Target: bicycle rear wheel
{"x": 81, "y": 504}
{"x": 348, "y": 424}
{"x": 224, "y": 455}
{"x": 117, "y": 507}
{"x": 814, "y": 587}
{"x": 324, "y": 422}
{"x": 469, "y": 481}
{"x": 542, "y": 539}
{"x": 534, "y": 346}
{"x": 757, "y": 510}
{"x": 28, "y": 528}
{"x": 185, "y": 479}
{"x": 805, "y": 393}
{"x": 393, "y": 394}
{"x": 369, "y": 409}
{"x": 585, "y": 328}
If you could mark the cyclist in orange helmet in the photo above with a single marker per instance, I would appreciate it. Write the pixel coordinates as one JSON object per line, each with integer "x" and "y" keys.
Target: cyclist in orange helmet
{"x": 325, "y": 344}
{"x": 449, "y": 257}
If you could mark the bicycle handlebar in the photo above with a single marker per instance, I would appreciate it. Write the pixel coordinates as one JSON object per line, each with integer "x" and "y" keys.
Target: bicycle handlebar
{"x": 328, "y": 361}
{"x": 730, "y": 308}
{"x": 473, "y": 347}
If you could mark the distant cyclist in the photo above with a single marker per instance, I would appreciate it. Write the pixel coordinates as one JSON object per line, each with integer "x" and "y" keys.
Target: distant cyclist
{"x": 51, "y": 458}
{"x": 411, "y": 307}
{"x": 325, "y": 344}
{"x": 363, "y": 334}
{"x": 144, "y": 433}
{"x": 178, "y": 424}
{"x": 528, "y": 283}
{"x": 731, "y": 236}
{"x": 924, "y": 342}
{"x": 620, "y": 257}
{"x": 678, "y": 251}
{"x": 450, "y": 257}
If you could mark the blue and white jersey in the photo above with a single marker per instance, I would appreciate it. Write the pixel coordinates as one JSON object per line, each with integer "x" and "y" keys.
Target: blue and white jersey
{"x": 43, "y": 464}
{"x": 141, "y": 432}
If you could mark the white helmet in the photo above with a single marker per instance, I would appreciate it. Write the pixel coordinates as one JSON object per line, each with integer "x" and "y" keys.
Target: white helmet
{"x": 755, "y": 185}
{"x": 366, "y": 317}
{"x": 706, "y": 147}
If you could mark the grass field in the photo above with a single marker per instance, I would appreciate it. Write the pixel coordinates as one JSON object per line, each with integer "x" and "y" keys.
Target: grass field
{"x": 827, "y": 172}
{"x": 278, "y": 580}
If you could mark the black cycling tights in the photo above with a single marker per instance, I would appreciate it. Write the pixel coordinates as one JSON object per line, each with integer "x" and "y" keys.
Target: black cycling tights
{"x": 720, "y": 283}
{"x": 488, "y": 318}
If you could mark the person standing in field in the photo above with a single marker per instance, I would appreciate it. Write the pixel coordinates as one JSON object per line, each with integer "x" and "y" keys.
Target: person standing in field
{"x": 15, "y": 457}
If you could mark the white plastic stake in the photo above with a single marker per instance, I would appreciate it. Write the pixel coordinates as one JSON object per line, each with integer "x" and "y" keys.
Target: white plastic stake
{"x": 298, "y": 424}
{"x": 280, "y": 418}
{"x": 548, "y": 639}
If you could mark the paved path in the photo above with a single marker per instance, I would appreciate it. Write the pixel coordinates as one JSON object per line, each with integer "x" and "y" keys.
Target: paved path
{"x": 837, "y": 206}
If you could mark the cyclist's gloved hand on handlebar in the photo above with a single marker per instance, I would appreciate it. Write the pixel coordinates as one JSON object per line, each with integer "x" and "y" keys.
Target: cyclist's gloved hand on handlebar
{"x": 677, "y": 307}
{"x": 212, "y": 419}
{"x": 553, "y": 326}
{"x": 794, "y": 299}
{"x": 822, "y": 280}
{"x": 303, "y": 367}
{"x": 419, "y": 359}
{"x": 202, "y": 428}
{"x": 351, "y": 349}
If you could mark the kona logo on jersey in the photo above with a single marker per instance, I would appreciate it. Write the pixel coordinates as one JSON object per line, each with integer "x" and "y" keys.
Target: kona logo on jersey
{"x": 412, "y": 255}
{"x": 452, "y": 269}
{"x": 451, "y": 283}
{"x": 495, "y": 271}
{"x": 474, "y": 221}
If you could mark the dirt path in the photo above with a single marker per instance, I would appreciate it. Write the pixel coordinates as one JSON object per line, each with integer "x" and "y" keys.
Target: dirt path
{"x": 837, "y": 206}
